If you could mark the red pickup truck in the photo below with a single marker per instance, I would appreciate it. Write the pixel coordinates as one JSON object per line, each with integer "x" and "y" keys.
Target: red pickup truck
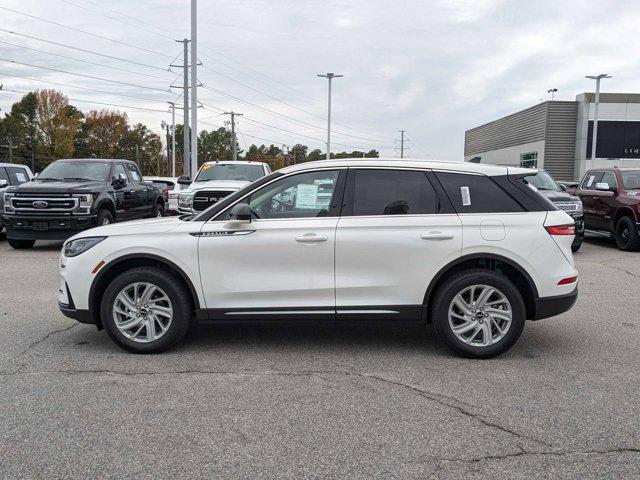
{"x": 611, "y": 202}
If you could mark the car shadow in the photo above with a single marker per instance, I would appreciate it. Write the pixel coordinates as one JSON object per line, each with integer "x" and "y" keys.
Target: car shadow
{"x": 601, "y": 241}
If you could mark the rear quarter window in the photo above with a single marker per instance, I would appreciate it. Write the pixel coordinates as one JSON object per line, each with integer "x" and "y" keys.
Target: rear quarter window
{"x": 477, "y": 194}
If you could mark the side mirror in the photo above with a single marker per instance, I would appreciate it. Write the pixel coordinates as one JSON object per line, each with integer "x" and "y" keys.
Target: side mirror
{"x": 604, "y": 187}
{"x": 36, "y": 175}
{"x": 183, "y": 180}
{"x": 563, "y": 187}
{"x": 4, "y": 183}
{"x": 241, "y": 212}
{"x": 117, "y": 183}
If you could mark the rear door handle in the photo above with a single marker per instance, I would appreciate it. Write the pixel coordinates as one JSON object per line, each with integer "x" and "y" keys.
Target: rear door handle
{"x": 436, "y": 236}
{"x": 311, "y": 238}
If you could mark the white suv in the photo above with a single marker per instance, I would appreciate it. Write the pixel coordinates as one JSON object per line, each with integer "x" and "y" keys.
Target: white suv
{"x": 216, "y": 180}
{"x": 471, "y": 248}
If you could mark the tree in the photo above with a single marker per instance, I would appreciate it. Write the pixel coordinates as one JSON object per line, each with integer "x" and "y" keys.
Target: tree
{"x": 216, "y": 145}
{"x": 57, "y": 125}
{"x": 19, "y": 127}
{"x": 145, "y": 148}
{"x": 102, "y": 134}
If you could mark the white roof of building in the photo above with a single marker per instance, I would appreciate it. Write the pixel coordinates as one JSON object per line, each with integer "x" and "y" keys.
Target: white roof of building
{"x": 485, "y": 169}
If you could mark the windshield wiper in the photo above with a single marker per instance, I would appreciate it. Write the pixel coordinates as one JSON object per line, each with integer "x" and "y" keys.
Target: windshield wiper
{"x": 79, "y": 179}
{"x": 49, "y": 179}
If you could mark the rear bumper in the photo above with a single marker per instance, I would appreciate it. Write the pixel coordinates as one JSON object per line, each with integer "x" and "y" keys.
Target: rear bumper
{"x": 46, "y": 227}
{"x": 551, "y": 306}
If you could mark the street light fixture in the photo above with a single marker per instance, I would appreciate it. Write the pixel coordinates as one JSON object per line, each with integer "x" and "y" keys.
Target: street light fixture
{"x": 329, "y": 76}
{"x": 552, "y": 91}
{"x": 595, "y": 111}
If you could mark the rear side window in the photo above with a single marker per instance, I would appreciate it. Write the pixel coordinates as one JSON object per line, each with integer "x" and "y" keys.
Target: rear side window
{"x": 477, "y": 194}
{"x": 392, "y": 192}
{"x": 133, "y": 171}
{"x": 17, "y": 175}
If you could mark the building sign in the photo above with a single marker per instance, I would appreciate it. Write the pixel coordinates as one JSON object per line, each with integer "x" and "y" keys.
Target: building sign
{"x": 615, "y": 139}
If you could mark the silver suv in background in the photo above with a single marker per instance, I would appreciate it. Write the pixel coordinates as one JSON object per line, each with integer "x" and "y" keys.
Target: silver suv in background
{"x": 12, "y": 175}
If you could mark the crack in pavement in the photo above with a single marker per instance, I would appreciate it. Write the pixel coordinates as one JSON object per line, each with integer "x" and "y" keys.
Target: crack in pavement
{"x": 443, "y": 400}
{"x": 614, "y": 267}
{"x": 442, "y": 462}
{"x": 43, "y": 339}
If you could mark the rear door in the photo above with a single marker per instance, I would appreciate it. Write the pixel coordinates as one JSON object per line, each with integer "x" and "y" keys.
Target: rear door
{"x": 396, "y": 231}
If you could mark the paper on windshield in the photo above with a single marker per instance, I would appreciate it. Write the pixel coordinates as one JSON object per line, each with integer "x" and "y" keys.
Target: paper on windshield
{"x": 307, "y": 197}
{"x": 21, "y": 177}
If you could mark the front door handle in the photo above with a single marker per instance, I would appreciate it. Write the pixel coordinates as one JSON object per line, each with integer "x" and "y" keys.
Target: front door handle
{"x": 311, "y": 238}
{"x": 436, "y": 236}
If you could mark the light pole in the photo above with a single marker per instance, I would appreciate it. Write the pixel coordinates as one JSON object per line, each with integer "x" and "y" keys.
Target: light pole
{"x": 329, "y": 76}
{"x": 594, "y": 137}
{"x": 553, "y": 92}
{"x": 173, "y": 138}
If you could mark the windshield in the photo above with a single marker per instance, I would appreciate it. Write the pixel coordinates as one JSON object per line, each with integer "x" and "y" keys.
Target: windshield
{"x": 76, "y": 171}
{"x": 230, "y": 171}
{"x": 631, "y": 180}
{"x": 543, "y": 181}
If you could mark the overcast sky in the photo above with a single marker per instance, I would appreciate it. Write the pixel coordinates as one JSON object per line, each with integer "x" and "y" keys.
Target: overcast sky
{"x": 432, "y": 67}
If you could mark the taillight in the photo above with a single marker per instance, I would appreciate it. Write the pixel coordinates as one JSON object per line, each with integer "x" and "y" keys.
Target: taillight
{"x": 562, "y": 229}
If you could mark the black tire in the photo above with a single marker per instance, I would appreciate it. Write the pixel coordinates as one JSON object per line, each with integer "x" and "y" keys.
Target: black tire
{"x": 457, "y": 283}
{"x": 158, "y": 211}
{"x": 576, "y": 247}
{"x": 626, "y": 235}
{"x": 21, "y": 244}
{"x": 105, "y": 217}
{"x": 180, "y": 301}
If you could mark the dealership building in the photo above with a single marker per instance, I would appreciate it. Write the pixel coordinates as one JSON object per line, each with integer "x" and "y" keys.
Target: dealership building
{"x": 556, "y": 136}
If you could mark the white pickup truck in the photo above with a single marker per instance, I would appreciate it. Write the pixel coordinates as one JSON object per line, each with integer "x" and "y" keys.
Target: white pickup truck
{"x": 216, "y": 180}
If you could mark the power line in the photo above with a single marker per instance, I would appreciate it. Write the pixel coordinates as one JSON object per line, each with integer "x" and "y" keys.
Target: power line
{"x": 273, "y": 112}
{"x": 78, "y": 87}
{"x": 96, "y": 103}
{"x": 86, "y": 76}
{"x": 84, "y": 50}
{"x": 87, "y": 33}
{"x": 84, "y": 61}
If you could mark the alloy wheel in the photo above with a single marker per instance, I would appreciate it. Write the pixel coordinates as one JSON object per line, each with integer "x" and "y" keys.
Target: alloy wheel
{"x": 142, "y": 312}
{"x": 480, "y": 315}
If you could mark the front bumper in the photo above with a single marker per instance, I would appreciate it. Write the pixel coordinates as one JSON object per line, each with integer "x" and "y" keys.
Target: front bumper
{"x": 82, "y": 316}
{"x": 46, "y": 227}
{"x": 551, "y": 306}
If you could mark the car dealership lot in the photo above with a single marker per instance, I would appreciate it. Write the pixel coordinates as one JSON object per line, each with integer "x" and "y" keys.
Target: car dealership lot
{"x": 292, "y": 401}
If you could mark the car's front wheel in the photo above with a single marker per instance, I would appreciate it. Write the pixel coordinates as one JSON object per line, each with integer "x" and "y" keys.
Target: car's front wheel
{"x": 626, "y": 234}
{"x": 478, "y": 313}
{"x": 146, "y": 310}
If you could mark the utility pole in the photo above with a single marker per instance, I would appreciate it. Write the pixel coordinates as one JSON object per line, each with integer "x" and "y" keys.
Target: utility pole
{"x": 11, "y": 148}
{"x": 594, "y": 137}
{"x": 186, "y": 171}
{"x": 233, "y": 132}
{"x": 194, "y": 87}
{"x": 173, "y": 139}
{"x": 402, "y": 143}
{"x": 329, "y": 76}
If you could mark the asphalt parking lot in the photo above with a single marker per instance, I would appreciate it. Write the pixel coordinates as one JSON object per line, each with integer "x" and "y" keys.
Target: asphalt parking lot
{"x": 286, "y": 401}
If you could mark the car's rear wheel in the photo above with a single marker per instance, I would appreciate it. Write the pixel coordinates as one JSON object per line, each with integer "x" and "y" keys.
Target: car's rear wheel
{"x": 104, "y": 218}
{"x": 626, "y": 234}
{"x": 158, "y": 211}
{"x": 21, "y": 244}
{"x": 146, "y": 310}
{"x": 478, "y": 313}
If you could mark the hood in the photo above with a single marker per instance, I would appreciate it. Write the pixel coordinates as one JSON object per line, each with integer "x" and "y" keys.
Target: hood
{"x": 558, "y": 196}
{"x": 37, "y": 186}
{"x": 213, "y": 184}
{"x": 134, "y": 227}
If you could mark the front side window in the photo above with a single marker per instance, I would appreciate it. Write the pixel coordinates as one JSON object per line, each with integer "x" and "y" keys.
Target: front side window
{"x": 477, "y": 194}
{"x": 392, "y": 192}
{"x": 121, "y": 173}
{"x": 631, "y": 180}
{"x": 610, "y": 179}
{"x": 297, "y": 196}
{"x": 3, "y": 174}
{"x": 80, "y": 171}
{"x": 17, "y": 175}
{"x": 589, "y": 182}
{"x": 230, "y": 171}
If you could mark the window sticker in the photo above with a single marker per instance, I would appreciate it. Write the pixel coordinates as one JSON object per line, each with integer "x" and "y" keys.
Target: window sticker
{"x": 466, "y": 196}
{"x": 135, "y": 176}
{"x": 21, "y": 177}
{"x": 307, "y": 196}
{"x": 590, "y": 180}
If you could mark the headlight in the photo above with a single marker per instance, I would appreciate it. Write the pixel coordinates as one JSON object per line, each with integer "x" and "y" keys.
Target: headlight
{"x": 7, "y": 196}
{"x": 185, "y": 199}
{"x": 579, "y": 207}
{"x": 81, "y": 245}
{"x": 86, "y": 200}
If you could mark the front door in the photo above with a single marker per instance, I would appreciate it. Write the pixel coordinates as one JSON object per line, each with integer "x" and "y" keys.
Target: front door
{"x": 395, "y": 233}
{"x": 125, "y": 205}
{"x": 282, "y": 262}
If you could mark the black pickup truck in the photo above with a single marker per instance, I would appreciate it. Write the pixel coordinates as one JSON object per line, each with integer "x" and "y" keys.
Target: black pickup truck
{"x": 77, "y": 194}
